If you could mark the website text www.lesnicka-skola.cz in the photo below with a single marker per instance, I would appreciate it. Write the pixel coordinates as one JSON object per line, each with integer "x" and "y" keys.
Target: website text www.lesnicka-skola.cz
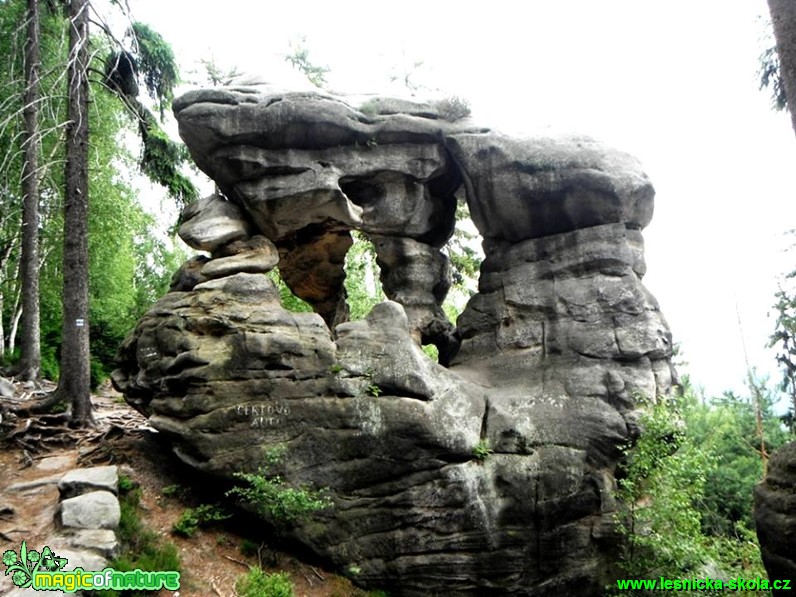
{"x": 703, "y": 584}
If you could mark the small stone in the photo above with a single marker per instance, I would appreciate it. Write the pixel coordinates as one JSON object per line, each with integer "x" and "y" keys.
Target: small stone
{"x": 84, "y": 480}
{"x": 55, "y": 463}
{"x": 257, "y": 256}
{"x": 6, "y": 388}
{"x": 94, "y": 510}
{"x": 212, "y": 222}
{"x": 102, "y": 541}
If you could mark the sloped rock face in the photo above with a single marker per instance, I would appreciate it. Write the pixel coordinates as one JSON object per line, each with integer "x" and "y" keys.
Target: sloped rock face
{"x": 493, "y": 476}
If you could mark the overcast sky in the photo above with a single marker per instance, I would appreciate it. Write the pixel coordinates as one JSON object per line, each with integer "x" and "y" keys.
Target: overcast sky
{"x": 674, "y": 83}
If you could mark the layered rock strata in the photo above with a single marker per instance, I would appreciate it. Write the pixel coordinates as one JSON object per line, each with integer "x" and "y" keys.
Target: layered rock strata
{"x": 493, "y": 476}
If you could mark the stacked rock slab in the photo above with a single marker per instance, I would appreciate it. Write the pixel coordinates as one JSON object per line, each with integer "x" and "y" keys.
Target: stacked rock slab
{"x": 493, "y": 476}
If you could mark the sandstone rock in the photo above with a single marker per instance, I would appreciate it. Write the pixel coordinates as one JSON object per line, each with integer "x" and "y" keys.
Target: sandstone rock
{"x": 418, "y": 276}
{"x": 6, "y": 388}
{"x": 775, "y": 514}
{"x": 83, "y": 558}
{"x": 101, "y": 541}
{"x": 211, "y": 222}
{"x": 256, "y": 256}
{"x": 492, "y": 476}
{"x": 527, "y": 188}
{"x": 189, "y": 275}
{"x": 93, "y": 510}
{"x": 83, "y": 480}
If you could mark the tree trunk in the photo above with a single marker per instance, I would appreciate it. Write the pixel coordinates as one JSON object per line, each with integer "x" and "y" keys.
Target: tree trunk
{"x": 30, "y": 342}
{"x": 2, "y": 330}
{"x": 16, "y": 315}
{"x": 783, "y": 18}
{"x": 74, "y": 381}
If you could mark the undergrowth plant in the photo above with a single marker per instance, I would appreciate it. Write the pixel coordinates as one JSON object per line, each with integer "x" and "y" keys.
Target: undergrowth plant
{"x": 482, "y": 450}
{"x": 275, "y": 500}
{"x": 140, "y": 547}
{"x": 661, "y": 484}
{"x": 201, "y": 516}
{"x": 257, "y": 583}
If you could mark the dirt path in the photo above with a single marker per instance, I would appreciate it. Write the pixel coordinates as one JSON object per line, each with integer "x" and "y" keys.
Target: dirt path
{"x": 211, "y": 560}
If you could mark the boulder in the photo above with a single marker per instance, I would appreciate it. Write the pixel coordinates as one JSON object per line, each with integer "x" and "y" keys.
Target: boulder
{"x": 83, "y": 480}
{"x": 527, "y": 188}
{"x": 92, "y": 510}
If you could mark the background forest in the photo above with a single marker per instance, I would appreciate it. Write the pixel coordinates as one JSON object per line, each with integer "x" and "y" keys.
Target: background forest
{"x": 698, "y": 460}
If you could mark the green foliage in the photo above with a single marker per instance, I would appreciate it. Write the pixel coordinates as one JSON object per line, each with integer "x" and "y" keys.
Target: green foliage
{"x": 375, "y": 390}
{"x": 727, "y": 428}
{"x": 362, "y": 278}
{"x": 141, "y": 547}
{"x": 299, "y": 58}
{"x": 201, "y": 516}
{"x": 259, "y": 584}
{"x": 172, "y": 490}
{"x": 659, "y": 487}
{"x": 129, "y": 261}
{"x": 156, "y": 64}
{"x": 289, "y": 300}
{"x": 370, "y": 108}
{"x": 482, "y": 450}
{"x": 770, "y": 78}
{"x": 784, "y": 340}
{"x": 161, "y": 161}
{"x": 126, "y": 484}
{"x": 453, "y": 108}
{"x": 687, "y": 483}
{"x": 249, "y": 548}
{"x": 273, "y": 499}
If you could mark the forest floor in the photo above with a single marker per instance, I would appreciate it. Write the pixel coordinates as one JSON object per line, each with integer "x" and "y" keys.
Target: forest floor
{"x": 211, "y": 560}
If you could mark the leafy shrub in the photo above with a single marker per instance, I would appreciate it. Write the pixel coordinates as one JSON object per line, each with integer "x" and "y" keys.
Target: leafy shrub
{"x": 201, "y": 516}
{"x": 172, "y": 490}
{"x": 259, "y": 584}
{"x": 273, "y": 499}
{"x": 141, "y": 547}
{"x": 663, "y": 485}
{"x": 453, "y": 108}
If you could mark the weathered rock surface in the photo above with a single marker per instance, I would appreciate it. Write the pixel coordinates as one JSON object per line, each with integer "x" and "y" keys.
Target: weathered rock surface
{"x": 775, "y": 515}
{"x": 6, "y": 388}
{"x": 212, "y": 222}
{"x": 83, "y": 480}
{"x": 92, "y": 510}
{"x": 101, "y": 541}
{"x": 491, "y": 477}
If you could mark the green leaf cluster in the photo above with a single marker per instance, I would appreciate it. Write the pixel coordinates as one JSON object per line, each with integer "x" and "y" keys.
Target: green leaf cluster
{"x": 686, "y": 485}
{"x": 131, "y": 257}
{"x": 140, "y": 547}
{"x": 202, "y": 516}
{"x": 257, "y": 583}
{"x": 156, "y": 64}
{"x": 273, "y": 498}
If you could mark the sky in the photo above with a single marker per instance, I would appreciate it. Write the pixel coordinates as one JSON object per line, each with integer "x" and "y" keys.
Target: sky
{"x": 673, "y": 83}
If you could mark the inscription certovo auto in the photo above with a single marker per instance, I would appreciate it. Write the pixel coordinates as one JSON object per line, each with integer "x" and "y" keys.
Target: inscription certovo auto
{"x": 264, "y": 415}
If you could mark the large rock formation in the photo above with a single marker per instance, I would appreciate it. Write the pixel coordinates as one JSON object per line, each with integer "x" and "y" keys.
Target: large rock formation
{"x": 493, "y": 476}
{"x": 775, "y": 516}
